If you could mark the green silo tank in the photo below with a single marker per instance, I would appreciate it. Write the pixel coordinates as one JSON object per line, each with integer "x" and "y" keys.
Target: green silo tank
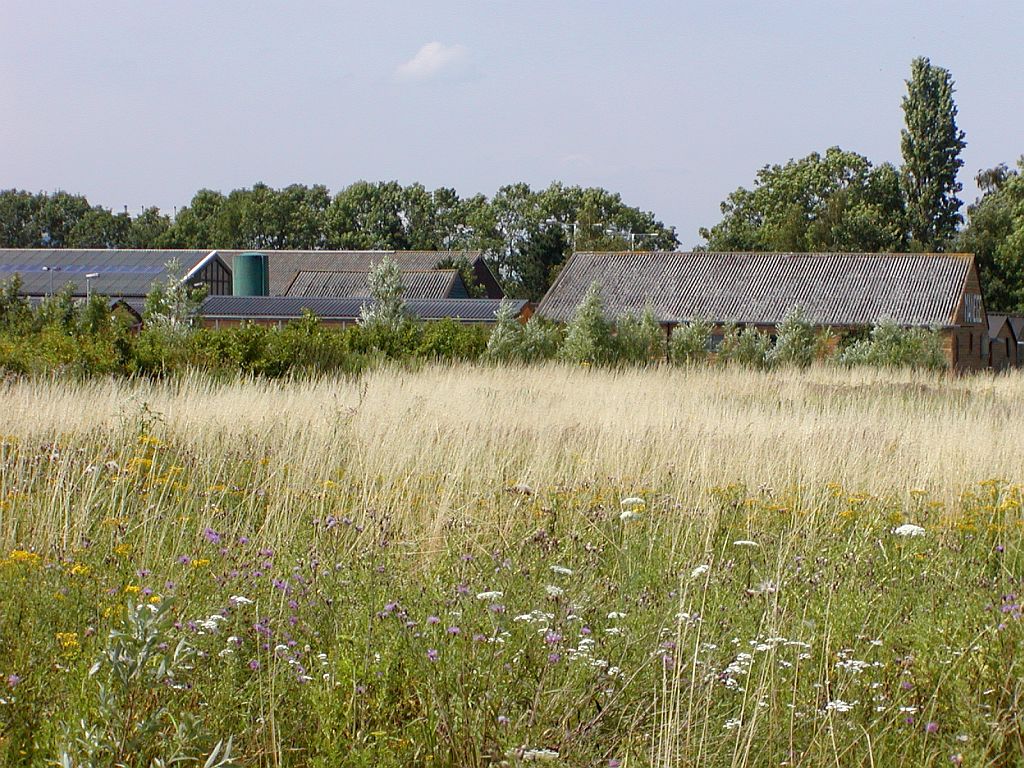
{"x": 250, "y": 275}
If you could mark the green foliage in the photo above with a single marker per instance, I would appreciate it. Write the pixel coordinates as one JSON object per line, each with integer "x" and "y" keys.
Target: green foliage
{"x": 689, "y": 344}
{"x": 892, "y": 346}
{"x": 995, "y": 234}
{"x": 839, "y": 202}
{"x": 931, "y": 144}
{"x": 540, "y": 340}
{"x": 747, "y": 347}
{"x": 639, "y": 340}
{"x": 448, "y": 339}
{"x": 142, "y": 716}
{"x": 796, "y": 343}
{"x": 386, "y": 312}
{"x": 15, "y": 312}
{"x": 588, "y": 337}
{"x": 172, "y": 304}
{"x": 506, "y": 337}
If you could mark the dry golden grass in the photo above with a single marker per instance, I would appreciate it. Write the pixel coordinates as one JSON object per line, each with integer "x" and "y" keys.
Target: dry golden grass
{"x": 454, "y": 435}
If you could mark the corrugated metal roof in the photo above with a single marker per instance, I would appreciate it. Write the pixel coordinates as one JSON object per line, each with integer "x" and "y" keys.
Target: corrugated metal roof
{"x": 285, "y": 265}
{"x": 422, "y": 284}
{"x": 838, "y": 289}
{"x": 122, "y": 272}
{"x": 345, "y": 309}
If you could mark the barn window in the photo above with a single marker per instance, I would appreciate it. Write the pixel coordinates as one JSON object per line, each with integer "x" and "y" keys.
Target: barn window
{"x": 972, "y": 308}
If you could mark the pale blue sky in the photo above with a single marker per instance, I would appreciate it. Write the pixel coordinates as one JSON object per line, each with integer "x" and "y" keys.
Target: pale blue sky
{"x": 672, "y": 104}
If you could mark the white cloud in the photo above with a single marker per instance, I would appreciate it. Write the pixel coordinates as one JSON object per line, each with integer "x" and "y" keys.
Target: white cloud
{"x": 432, "y": 60}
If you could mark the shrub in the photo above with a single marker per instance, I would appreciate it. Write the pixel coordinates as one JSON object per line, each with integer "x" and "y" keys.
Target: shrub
{"x": 505, "y": 341}
{"x": 890, "y": 346}
{"x": 448, "y": 339}
{"x": 747, "y": 347}
{"x": 588, "y": 337}
{"x": 639, "y": 340}
{"x": 540, "y": 340}
{"x": 689, "y": 342}
{"x": 796, "y": 344}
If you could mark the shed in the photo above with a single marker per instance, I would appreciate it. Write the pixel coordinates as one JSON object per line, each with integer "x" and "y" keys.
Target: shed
{"x": 228, "y": 311}
{"x": 419, "y": 284}
{"x": 1002, "y": 343}
{"x": 284, "y": 266}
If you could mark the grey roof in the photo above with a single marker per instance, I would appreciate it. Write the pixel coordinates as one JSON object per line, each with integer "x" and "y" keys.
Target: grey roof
{"x": 1017, "y": 324}
{"x": 422, "y": 284}
{"x": 122, "y": 272}
{"x": 345, "y": 309}
{"x": 838, "y": 289}
{"x": 285, "y": 265}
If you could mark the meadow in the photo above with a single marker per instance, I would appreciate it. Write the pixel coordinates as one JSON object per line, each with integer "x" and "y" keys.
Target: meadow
{"x": 462, "y": 565}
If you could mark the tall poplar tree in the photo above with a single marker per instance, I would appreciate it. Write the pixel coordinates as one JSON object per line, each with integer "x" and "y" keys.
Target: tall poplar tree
{"x": 931, "y": 145}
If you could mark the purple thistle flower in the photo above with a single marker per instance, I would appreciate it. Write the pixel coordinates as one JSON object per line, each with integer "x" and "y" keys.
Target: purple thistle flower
{"x": 462, "y": 589}
{"x": 184, "y": 559}
{"x": 13, "y": 679}
{"x": 143, "y": 573}
{"x": 433, "y": 620}
{"x": 496, "y": 608}
{"x": 432, "y": 654}
{"x": 552, "y": 637}
{"x": 243, "y": 539}
{"x": 585, "y": 631}
{"x": 254, "y": 665}
{"x": 554, "y": 658}
{"x": 478, "y": 638}
{"x": 906, "y": 685}
{"x": 502, "y": 720}
{"x": 931, "y": 727}
{"x": 453, "y": 630}
{"x": 211, "y": 536}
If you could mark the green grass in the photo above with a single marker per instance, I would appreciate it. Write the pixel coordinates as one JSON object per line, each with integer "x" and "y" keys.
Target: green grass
{"x": 317, "y": 625}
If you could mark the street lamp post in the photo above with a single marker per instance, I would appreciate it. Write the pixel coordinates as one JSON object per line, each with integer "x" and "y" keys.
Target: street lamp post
{"x": 634, "y": 235}
{"x": 88, "y": 286}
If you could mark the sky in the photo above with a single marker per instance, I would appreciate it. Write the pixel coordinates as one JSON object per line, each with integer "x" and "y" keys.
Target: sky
{"x": 673, "y": 104}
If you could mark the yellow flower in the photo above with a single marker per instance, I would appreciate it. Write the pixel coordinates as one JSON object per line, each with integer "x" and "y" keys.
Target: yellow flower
{"x": 155, "y": 600}
{"x": 68, "y": 640}
{"x": 23, "y": 556}
{"x": 200, "y": 562}
{"x": 122, "y": 549}
{"x": 79, "y": 570}
{"x": 149, "y": 440}
{"x": 131, "y": 589}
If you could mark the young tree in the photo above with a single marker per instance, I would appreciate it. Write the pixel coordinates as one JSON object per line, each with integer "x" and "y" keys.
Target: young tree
{"x": 588, "y": 337}
{"x": 639, "y": 340}
{"x": 171, "y": 304}
{"x": 796, "y": 344}
{"x": 689, "y": 343}
{"x": 931, "y": 145}
{"x": 503, "y": 344}
{"x": 386, "y": 310}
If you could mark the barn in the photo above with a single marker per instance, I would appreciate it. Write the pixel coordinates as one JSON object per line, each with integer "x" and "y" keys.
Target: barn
{"x": 1002, "y": 343}
{"x": 842, "y": 291}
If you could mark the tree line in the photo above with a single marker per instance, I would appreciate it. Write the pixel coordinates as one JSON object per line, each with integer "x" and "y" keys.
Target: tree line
{"x": 841, "y": 201}
{"x": 525, "y": 234}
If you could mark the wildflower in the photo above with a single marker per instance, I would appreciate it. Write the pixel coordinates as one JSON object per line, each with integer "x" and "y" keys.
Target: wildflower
{"x": 432, "y": 654}
{"x": 745, "y": 543}
{"x": 254, "y": 664}
{"x": 616, "y": 615}
{"x": 561, "y": 570}
{"x": 68, "y": 640}
{"x": 184, "y": 559}
{"x": 633, "y": 501}
{"x": 628, "y": 514}
{"x": 502, "y": 720}
{"x": 490, "y": 595}
{"x": 733, "y": 724}
{"x": 454, "y": 630}
{"x": 554, "y": 658}
{"x": 13, "y": 679}
{"x": 131, "y": 589}
{"x": 551, "y": 637}
{"x": 553, "y": 591}
{"x": 700, "y": 570}
{"x": 211, "y": 536}
{"x": 22, "y": 556}
{"x": 239, "y": 600}
{"x": 540, "y": 756}
{"x": 838, "y": 705}
{"x": 199, "y": 563}
{"x": 931, "y": 727}
{"x": 433, "y": 620}
{"x": 909, "y": 529}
